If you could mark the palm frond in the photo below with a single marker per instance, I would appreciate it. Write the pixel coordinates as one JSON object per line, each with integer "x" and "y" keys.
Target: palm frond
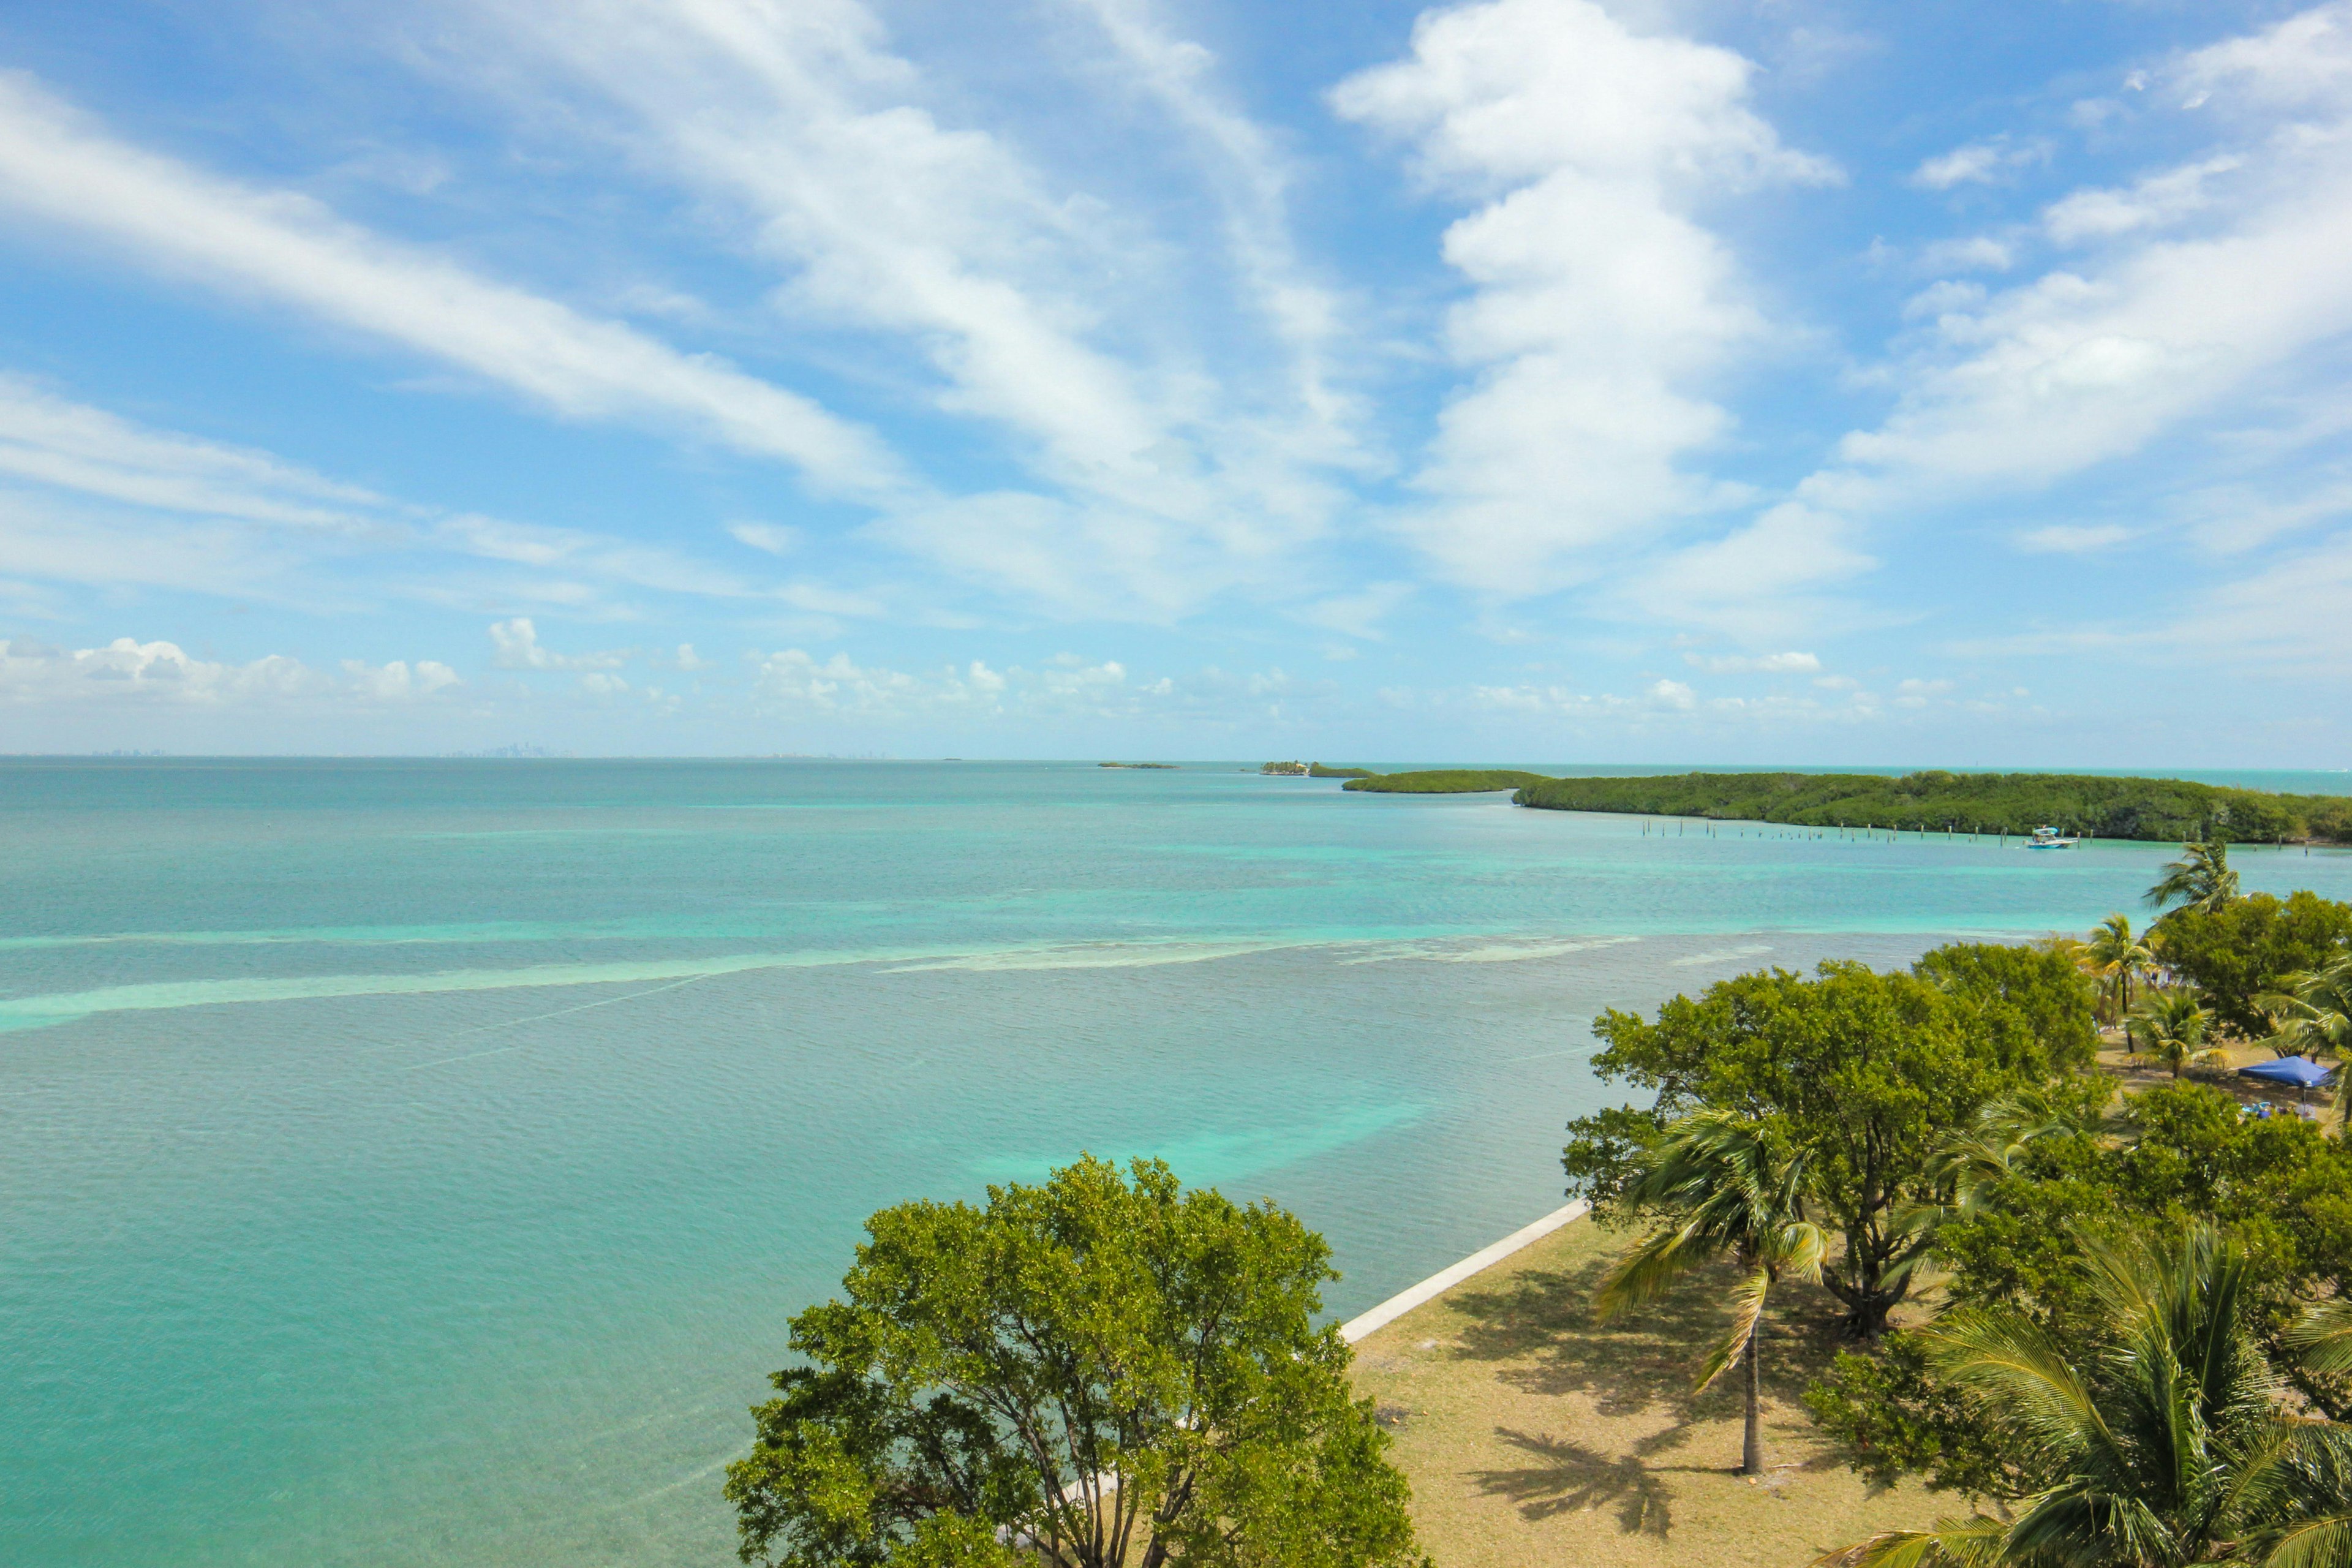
{"x": 2325, "y": 1542}
{"x": 1974, "y": 1543}
{"x": 2322, "y": 1340}
{"x": 1645, "y": 1270}
{"x": 1746, "y": 1311}
{"x": 2017, "y": 1366}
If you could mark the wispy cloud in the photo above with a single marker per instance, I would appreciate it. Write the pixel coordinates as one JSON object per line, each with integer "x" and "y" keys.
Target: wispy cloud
{"x": 283, "y": 246}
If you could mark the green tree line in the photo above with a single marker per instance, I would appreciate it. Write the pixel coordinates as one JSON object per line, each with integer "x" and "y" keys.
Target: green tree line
{"x": 2156, "y": 810}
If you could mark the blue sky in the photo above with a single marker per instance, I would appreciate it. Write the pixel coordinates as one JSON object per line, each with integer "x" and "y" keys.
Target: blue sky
{"x": 1534, "y": 379}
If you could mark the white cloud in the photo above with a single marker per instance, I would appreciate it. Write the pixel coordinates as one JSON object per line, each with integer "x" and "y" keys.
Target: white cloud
{"x": 1760, "y": 581}
{"x": 2160, "y": 200}
{"x": 1978, "y": 163}
{"x": 1969, "y": 253}
{"x": 1252, "y": 179}
{"x": 1790, "y": 663}
{"x": 2090, "y": 364}
{"x": 1673, "y": 694}
{"x": 177, "y": 511}
{"x": 2072, "y": 539}
{"x": 517, "y": 647}
{"x": 598, "y": 683}
{"x": 398, "y": 681}
{"x": 1601, "y": 306}
{"x": 1943, "y": 299}
{"x": 775, "y": 538}
{"x": 1051, "y": 314}
{"x": 58, "y": 167}
{"x": 53, "y": 441}
{"x": 127, "y": 672}
{"x": 2303, "y": 61}
{"x": 1359, "y": 614}
{"x": 793, "y": 679}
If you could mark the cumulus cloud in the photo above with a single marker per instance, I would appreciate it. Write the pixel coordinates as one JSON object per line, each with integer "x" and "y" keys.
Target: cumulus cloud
{"x": 1673, "y": 694}
{"x": 517, "y": 647}
{"x": 127, "y": 672}
{"x": 1601, "y": 306}
{"x": 794, "y": 681}
{"x": 398, "y": 681}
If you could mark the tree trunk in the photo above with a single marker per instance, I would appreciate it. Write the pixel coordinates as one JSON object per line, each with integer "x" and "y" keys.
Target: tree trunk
{"x": 1751, "y": 1445}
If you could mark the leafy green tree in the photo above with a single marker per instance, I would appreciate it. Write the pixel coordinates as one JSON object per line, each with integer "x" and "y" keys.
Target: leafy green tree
{"x": 2042, "y": 992}
{"x": 2115, "y": 957}
{"x": 2170, "y": 1026}
{"x": 2168, "y": 1445}
{"x": 2236, "y": 954}
{"x": 1856, "y": 1073}
{"x": 1727, "y": 1190}
{"x": 1086, "y": 1373}
{"x": 2201, "y": 877}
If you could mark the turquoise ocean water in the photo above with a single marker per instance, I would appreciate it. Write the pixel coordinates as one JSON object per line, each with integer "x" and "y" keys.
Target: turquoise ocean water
{"x": 408, "y": 1162}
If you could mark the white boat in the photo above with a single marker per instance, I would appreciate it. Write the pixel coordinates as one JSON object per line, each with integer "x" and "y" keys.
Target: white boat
{"x": 2049, "y": 838}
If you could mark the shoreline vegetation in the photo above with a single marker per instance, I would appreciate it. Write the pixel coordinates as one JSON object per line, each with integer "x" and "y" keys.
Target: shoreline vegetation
{"x": 2147, "y": 810}
{"x": 1861, "y": 1237}
{"x": 1170, "y": 767}
{"x": 1448, "y": 781}
{"x": 1312, "y": 771}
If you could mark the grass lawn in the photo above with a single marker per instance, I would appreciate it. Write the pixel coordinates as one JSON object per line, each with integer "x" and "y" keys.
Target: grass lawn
{"x": 1533, "y": 1435}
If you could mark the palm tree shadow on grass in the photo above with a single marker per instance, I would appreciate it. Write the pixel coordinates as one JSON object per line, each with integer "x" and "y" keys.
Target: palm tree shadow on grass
{"x": 1542, "y": 1324}
{"x": 1572, "y": 1478}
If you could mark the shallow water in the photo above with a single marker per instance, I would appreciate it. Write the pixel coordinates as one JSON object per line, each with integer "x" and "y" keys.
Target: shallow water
{"x": 417, "y": 1162}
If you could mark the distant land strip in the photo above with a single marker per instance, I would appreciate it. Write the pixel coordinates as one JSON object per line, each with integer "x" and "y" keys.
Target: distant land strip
{"x": 2152, "y": 810}
{"x": 1447, "y": 781}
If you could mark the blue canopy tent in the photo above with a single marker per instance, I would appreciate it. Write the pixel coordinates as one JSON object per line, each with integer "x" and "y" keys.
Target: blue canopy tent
{"x": 2300, "y": 1071}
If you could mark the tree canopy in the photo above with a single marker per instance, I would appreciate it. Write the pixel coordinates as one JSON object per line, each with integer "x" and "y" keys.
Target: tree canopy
{"x": 2159, "y": 1429}
{"x": 2244, "y": 948}
{"x": 1858, "y": 1072}
{"x": 2278, "y": 1188}
{"x": 2158, "y": 810}
{"x": 1094, "y": 1372}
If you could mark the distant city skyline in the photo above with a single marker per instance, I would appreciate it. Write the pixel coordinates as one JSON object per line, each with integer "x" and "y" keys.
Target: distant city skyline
{"x": 1521, "y": 380}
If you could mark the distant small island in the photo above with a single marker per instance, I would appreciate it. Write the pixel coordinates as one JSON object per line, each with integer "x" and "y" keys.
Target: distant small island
{"x": 1312, "y": 771}
{"x": 1169, "y": 765}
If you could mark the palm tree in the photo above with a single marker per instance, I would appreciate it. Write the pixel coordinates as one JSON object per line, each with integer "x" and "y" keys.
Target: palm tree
{"x": 1726, "y": 1189}
{"x": 2172, "y": 1026}
{"x": 2202, "y": 875}
{"x": 2116, "y": 956}
{"x": 2314, "y": 1013}
{"x": 2167, "y": 1445}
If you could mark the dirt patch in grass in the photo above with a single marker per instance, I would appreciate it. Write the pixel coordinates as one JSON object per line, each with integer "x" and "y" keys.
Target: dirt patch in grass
{"x": 1532, "y": 1434}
